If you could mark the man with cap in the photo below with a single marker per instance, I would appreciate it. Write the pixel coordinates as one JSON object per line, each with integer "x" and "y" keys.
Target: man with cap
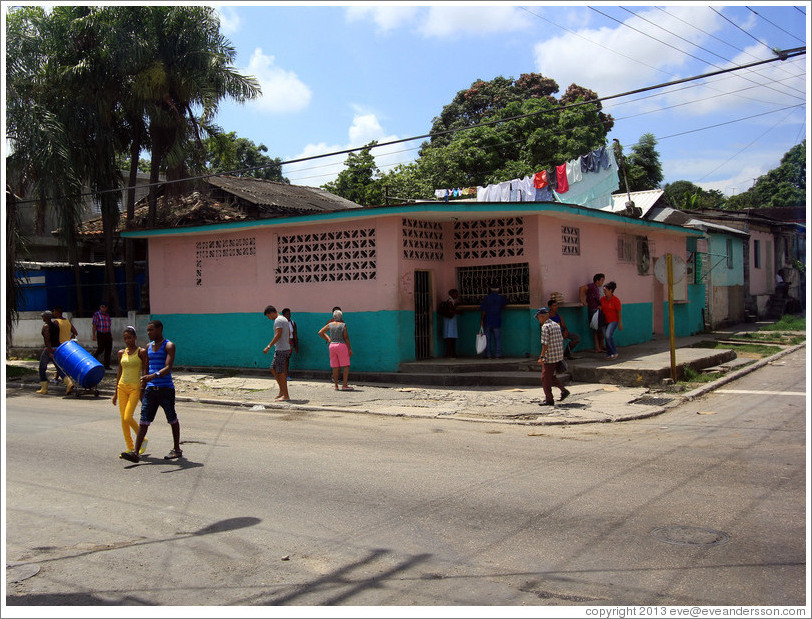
{"x": 552, "y": 351}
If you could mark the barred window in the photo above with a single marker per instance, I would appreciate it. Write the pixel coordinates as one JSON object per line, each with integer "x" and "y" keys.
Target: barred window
{"x": 344, "y": 255}
{"x": 626, "y": 247}
{"x": 474, "y": 283}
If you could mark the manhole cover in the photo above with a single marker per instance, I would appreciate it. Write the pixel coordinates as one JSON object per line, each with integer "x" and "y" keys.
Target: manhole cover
{"x": 651, "y": 400}
{"x": 690, "y": 536}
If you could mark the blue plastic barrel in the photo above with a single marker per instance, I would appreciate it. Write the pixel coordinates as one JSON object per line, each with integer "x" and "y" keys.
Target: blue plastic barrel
{"x": 79, "y": 364}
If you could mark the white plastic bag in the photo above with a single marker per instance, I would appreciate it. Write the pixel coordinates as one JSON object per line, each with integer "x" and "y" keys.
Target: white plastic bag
{"x": 481, "y": 342}
{"x": 593, "y": 322}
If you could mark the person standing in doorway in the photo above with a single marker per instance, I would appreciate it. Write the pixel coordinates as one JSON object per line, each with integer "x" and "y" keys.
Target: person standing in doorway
{"x": 66, "y": 332}
{"x": 159, "y": 390}
{"x": 294, "y": 339}
{"x": 450, "y": 331}
{"x": 491, "y": 321}
{"x": 610, "y": 306}
{"x": 281, "y": 341}
{"x": 50, "y": 337}
{"x": 590, "y": 295}
{"x": 133, "y": 363}
{"x": 571, "y": 340}
{"x": 102, "y": 334}
{"x": 552, "y": 352}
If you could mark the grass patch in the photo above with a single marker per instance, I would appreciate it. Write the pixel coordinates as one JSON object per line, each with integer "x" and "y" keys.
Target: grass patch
{"x": 690, "y": 375}
{"x": 753, "y": 349}
{"x": 773, "y": 337}
{"x": 788, "y": 322}
{"x": 18, "y": 371}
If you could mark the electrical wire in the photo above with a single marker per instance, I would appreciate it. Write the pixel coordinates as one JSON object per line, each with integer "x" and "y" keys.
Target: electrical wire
{"x": 791, "y": 53}
{"x": 742, "y": 29}
{"x": 777, "y": 26}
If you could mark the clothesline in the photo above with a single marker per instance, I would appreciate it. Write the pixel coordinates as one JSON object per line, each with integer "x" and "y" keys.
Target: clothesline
{"x": 588, "y": 180}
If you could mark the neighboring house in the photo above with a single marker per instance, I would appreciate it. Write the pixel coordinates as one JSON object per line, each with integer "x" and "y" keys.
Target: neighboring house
{"x": 718, "y": 262}
{"x": 388, "y": 268}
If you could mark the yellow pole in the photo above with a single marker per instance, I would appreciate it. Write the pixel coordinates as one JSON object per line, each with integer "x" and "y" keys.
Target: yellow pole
{"x": 670, "y": 269}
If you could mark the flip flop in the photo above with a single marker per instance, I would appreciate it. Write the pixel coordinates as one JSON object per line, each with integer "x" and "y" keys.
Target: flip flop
{"x": 347, "y": 389}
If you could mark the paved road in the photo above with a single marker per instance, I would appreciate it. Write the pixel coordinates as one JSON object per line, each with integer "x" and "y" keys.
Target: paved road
{"x": 701, "y": 505}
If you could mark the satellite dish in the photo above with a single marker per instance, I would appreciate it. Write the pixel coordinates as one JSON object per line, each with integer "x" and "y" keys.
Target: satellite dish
{"x": 678, "y": 269}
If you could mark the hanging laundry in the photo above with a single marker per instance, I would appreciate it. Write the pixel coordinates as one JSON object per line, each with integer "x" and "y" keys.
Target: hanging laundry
{"x": 545, "y": 194}
{"x": 504, "y": 191}
{"x": 540, "y": 179}
{"x": 574, "y": 174}
{"x": 439, "y": 193}
{"x": 527, "y": 189}
{"x": 562, "y": 186}
{"x": 595, "y": 190}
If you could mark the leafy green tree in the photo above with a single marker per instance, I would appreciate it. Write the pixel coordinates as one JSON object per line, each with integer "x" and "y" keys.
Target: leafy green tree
{"x": 684, "y": 195}
{"x": 225, "y": 152}
{"x": 542, "y": 137}
{"x": 781, "y": 186}
{"x": 360, "y": 180}
{"x": 643, "y": 165}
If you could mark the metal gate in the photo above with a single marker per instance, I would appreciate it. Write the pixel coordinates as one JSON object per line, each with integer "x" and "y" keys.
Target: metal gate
{"x": 423, "y": 315}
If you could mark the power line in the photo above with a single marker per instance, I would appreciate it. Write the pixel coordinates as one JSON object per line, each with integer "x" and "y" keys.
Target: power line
{"x": 742, "y": 29}
{"x": 679, "y": 50}
{"x": 730, "y": 122}
{"x": 745, "y": 148}
{"x": 776, "y": 25}
{"x": 791, "y": 53}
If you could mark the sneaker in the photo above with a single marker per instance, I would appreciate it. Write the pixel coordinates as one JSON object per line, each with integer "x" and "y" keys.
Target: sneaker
{"x": 143, "y": 446}
{"x": 545, "y": 403}
{"x": 174, "y": 454}
{"x": 129, "y": 455}
{"x": 564, "y": 394}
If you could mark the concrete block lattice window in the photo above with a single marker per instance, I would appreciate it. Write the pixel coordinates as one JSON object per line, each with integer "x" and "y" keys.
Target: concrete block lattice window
{"x": 422, "y": 240}
{"x": 570, "y": 241}
{"x": 474, "y": 282}
{"x": 489, "y": 238}
{"x": 341, "y": 255}
{"x": 208, "y": 252}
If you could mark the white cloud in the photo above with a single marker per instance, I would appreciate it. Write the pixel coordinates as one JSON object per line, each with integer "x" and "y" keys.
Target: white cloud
{"x": 447, "y": 21}
{"x": 229, "y": 19}
{"x": 610, "y": 60}
{"x": 365, "y": 128}
{"x": 282, "y": 91}
{"x": 386, "y": 18}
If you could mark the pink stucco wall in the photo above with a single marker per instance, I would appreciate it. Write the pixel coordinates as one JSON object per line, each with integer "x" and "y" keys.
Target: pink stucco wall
{"x": 195, "y": 274}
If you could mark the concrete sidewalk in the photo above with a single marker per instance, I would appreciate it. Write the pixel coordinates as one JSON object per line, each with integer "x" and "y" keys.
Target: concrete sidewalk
{"x": 591, "y": 401}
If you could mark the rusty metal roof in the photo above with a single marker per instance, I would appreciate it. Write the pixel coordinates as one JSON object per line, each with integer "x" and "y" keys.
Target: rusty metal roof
{"x": 282, "y": 197}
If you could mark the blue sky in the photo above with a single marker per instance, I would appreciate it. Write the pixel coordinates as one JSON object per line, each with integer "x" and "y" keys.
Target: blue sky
{"x": 337, "y": 76}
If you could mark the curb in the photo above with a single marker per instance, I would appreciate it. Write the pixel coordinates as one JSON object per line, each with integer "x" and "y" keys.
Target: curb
{"x": 707, "y": 388}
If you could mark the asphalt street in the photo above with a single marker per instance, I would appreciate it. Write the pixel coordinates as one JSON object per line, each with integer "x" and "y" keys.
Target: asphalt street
{"x": 701, "y": 505}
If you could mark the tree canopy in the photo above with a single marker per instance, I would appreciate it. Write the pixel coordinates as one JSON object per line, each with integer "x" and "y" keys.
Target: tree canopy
{"x": 528, "y": 129}
{"x": 643, "y": 167}
{"x": 684, "y": 195}
{"x": 225, "y": 152}
{"x": 359, "y": 181}
{"x": 781, "y": 186}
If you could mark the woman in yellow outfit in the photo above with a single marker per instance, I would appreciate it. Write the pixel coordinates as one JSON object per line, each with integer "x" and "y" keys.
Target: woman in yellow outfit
{"x": 133, "y": 363}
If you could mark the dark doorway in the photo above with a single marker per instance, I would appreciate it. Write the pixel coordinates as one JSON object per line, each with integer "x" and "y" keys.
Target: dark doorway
{"x": 423, "y": 315}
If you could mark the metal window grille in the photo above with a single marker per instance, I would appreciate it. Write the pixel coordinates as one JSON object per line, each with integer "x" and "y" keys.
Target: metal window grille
{"x": 570, "y": 241}
{"x": 644, "y": 250}
{"x": 422, "y": 240}
{"x": 626, "y": 248}
{"x": 344, "y": 255}
{"x": 474, "y": 283}
{"x": 218, "y": 249}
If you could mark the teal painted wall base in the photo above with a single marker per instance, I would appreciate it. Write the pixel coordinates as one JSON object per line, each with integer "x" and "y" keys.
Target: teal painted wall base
{"x": 381, "y": 341}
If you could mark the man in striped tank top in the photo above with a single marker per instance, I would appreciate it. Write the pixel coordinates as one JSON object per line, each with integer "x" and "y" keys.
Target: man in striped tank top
{"x": 159, "y": 390}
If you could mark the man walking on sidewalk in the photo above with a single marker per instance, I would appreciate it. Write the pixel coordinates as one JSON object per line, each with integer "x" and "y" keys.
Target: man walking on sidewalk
{"x": 552, "y": 351}
{"x": 281, "y": 340}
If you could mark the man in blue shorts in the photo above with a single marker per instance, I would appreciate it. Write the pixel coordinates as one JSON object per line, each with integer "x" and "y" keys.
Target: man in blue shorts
{"x": 159, "y": 390}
